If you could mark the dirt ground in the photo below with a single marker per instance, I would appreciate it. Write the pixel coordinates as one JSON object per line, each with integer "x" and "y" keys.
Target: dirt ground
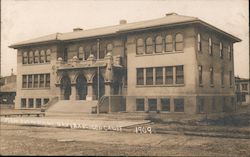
{"x": 25, "y": 140}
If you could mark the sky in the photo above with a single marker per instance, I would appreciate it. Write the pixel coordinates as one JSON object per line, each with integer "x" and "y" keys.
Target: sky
{"x": 26, "y": 19}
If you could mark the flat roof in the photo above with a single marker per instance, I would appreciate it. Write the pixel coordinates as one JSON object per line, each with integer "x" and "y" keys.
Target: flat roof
{"x": 168, "y": 20}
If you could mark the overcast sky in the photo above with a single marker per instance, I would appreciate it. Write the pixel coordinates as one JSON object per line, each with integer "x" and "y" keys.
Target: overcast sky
{"x": 26, "y": 19}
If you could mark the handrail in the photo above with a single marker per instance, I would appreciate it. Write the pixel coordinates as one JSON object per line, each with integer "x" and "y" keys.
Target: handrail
{"x": 49, "y": 104}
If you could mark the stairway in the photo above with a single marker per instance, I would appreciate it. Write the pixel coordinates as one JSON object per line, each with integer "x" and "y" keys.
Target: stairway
{"x": 70, "y": 107}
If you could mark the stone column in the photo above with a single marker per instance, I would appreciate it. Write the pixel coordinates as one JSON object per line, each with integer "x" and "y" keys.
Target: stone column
{"x": 73, "y": 92}
{"x": 91, "y": 95}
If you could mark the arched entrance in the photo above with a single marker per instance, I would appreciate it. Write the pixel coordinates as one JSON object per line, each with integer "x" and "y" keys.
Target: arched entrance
{"x": 101, "y": 86}
{"x": 65, "y": 86}
{"x": 81, "y": 87}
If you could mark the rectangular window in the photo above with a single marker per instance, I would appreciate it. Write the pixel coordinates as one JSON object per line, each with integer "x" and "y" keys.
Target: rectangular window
{"x": 36, "y": 81}
{"x": 42, "y": 80}
{"x": 178, "y": 105}
{"x": 47, "y": 84}
{"x": 179, "y": 75}
{"x": 38, "y": 103}
{"x": 139, "y": 76}
{"x": 201, "y": 108}
{"x": 200, "y": 74}
{"x": 149, "y": 76}
{"x": 199, "y": 42}
{"x": 222, "y": 77}
{"x": 211, "y": 76}
{"x": 45, "y": 100}
{"x": 165, "y": 104}
{"x": 169, "y": 75}
{"x": 210, "y": 47}
{"x": 24, "y": 85}
{"x": 31, "y": 103}
{"x": 159, "y": 75}
{"x": 139, "y": 104}
{"x": 152, "y": 104}
{"x": 29, "y": 81}
{"x": 23, "y": 103}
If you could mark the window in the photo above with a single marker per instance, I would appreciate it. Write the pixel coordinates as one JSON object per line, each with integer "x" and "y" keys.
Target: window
{"x": 149, "y": 76}
{"x": 159, "y": 75}
{"x": 178, "y": 105}
{"x": 42, "y": 80}
{"x": 38, "y": 103}
{"x": 31, "y": 103}
{"x": 94, "y": 50}
{"x": 48, "y": 54}
{"x": 200, "y": 74}
{"x": 221, "y": 50}
{"x": 109, "y": 48}
{"x": 47, "y": 82}
{"x": 24, "y": 81}
{"x": 244, "y": 86}
{"x": 42, "y": 56}
{"x": 140, "y": 76}
{"x": 80, "y": 54}
{"x": 210, "y": 47}
{"x": 211, "y": 75}
{"x": 169, "y": 75}
{"x": 31, "y": 57}
{"x": 139, "y": 46}
{"x": 139, "y": 104}
{"x": 201, "y": 108}
{"x": 229, "y": 53}
{"x": 230, "y": 78}
{"x": 45, "y": 100}
{"x": 36, "y": 57}
{"x": 36, "y": 81}
{"x": 87, "y": 52}
{"x": 29, "y": 81}
{"x": 25, "y": 58}
{"x": 165, "y": 104}
{"x": 179, "y": 75}
{"x": 178, "y": 42}
{"x": 65, "y": 54}
{"x": 149, "y": 45}
{"x": 152, "y": 104}
{"x": 158, "y": 44}
{"x": 222, "y": 77}
{"x": 199, "y": 42}
{"x": 169, "y": 43}
{"x": 23, "y": 103}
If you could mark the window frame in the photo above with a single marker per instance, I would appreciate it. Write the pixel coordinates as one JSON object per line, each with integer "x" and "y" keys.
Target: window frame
{"x": 140, "y": 46}
{"x": 149, "y": 45}
{"x": 177, "y": 42}
{"x": 140, "y": 78}
{"x": 158, "y": 44}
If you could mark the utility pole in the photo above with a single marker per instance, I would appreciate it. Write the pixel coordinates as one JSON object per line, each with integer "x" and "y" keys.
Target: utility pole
{"x": 98, "y": 72}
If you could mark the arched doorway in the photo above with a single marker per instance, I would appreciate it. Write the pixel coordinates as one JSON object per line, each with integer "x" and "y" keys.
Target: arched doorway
{"x": 81, "y": 87}
{"x": 65, "y": 87}
{"x": 101, "y": 86}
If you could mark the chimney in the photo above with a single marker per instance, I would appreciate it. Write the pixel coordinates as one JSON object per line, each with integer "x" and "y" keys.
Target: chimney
{"x": 122, "y": 22}
{"x": 169, "y": 14}
{"x": 77, "y": 29}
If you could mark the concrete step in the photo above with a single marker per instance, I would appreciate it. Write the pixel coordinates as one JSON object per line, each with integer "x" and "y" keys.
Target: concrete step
{"x": 71, "y": 107}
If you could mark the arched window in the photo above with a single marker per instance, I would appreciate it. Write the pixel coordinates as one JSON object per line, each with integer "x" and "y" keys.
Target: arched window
{"x": 149, "y": 45}
{"x": 210, "y": 47}
{"x": 158, "y": 44}
{"x": 109, "y": 48}
{"x": 94, "y": 50}
{"x": 42, "y": 56}
{"x": 31, "y": 59}
{"x": 199, "y": 42}
{"x": 169, "y": 43}
{"x": 178, "y": 42}
{"x": 139, "y": 46}
{"x": 48, "y": 53}
{"x": 36, "y": 57}
{"x": 25, "y": 58}
{"x": 87, "y": 51}
{"x": 80, "y": 53}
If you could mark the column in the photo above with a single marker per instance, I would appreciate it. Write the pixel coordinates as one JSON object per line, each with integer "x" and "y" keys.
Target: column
{"x": 73, "y": 92}
{"x": 90, "y": 95}
{"x": 108, "y": 88}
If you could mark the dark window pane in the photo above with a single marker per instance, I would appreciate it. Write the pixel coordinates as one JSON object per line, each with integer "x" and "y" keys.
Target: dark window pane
{"x": 179, "y": 75}
{"x": 38, "y": 103}
{"x": 23, "y": 103}
{"x": 139, "y": 104}
{"x": 159, "y": 75}
{"x": 149, "y": 76}
{"x": 152, "y": 104}
{"x": 31, "y": 103}
{"x": 165, "y": 104}
{"x": 179, "y": 105}
{"x": 169, "y": 75}
{"x": 140, "y": 76}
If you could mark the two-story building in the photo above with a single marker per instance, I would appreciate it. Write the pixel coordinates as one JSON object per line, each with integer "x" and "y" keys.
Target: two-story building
{"x": 172, "y": 64}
